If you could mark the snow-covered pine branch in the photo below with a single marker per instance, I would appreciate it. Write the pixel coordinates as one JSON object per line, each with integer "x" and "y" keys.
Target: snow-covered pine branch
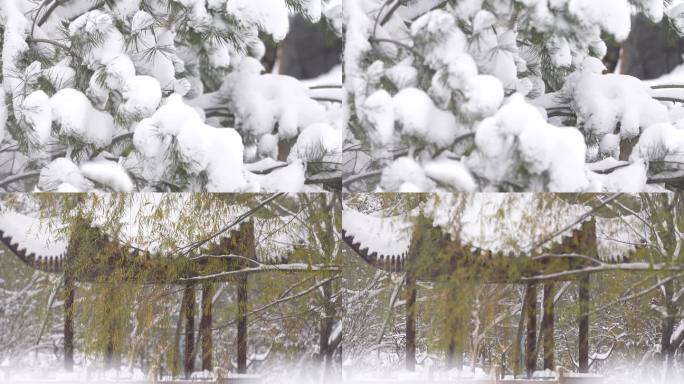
{"x": 522, "y": 81}
{"x": 172, "y": 91}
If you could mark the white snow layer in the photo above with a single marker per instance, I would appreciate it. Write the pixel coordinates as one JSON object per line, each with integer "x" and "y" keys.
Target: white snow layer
{"x": 271, "y": 16}
{"x": 32, "y": 234}
{"x": 76, "y": 117}
{"x": 202, "y": 148}
{"x": 390, "y": 236}
{"x": 475, "y": 220}
{"x": 108, "y": 173}
{"x": 519, "y": 130}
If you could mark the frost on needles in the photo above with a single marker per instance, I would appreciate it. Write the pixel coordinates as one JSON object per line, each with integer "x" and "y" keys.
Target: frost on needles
{"x": 502, "y": 95}
{"x": 165, "y": 95}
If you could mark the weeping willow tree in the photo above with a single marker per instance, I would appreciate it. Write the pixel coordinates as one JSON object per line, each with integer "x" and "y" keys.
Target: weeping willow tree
{"x": 482, "y": 317}
{"x": 138, "y": 317}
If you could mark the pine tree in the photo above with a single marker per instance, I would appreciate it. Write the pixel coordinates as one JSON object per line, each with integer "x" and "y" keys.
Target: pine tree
{"x": 164, "y": 95}
{"x": 506, "y": 95}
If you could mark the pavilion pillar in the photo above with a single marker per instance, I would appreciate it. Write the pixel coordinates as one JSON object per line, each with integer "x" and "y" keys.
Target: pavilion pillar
{"x": 547, "y": 326}
{"x": 69, "y": 293}
{"x": 206, "y": 325}
{"x": 188, "y": 313}
{"x": 411, "y": 292}
{"x": 242, "y": 324}
{"x": 531, "y": 325}
{"x": 584, "y": 298}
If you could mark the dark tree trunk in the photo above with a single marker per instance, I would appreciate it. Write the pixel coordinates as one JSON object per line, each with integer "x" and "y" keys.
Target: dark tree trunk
{"x": 651, "y": 50}
{"x": 455, "y": 347}
{"x": 531, "y": 320}
{"x": 547, "y": 327}
{"x": 188, "y": 312}
{"x": 325, "y": 349}
{"x": 69, "y": 291}
{"x": 668, "y": 324}
{"x": 411, "y": 292}
{"x": 517, "y": 343}
{"x": 242, "y": 324}
{"x": 455, "y": 353}
{"x": 584, "y": 323}
{"x": 309, "y": 50}
{"x": 206, "y": 324}
{"x": 114, "y": 329}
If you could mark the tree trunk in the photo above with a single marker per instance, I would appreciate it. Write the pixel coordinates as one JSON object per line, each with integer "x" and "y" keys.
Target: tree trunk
{"x": 308, "y": 50}
{"x": 547, "y": 327}
{"x": 242, "y": 324}
{"x": 188, "y": 311}
{"x": 69, "y": 291}
{"x": 668, "y": 324}
{"x": 455, "y": 353}
{"x": 455, "y": 347}
{"x": 206, "y": 324}
{"x": 517, "y": 343}
{"x": 584, "y": 323}
{"x": 651, "y": 50}
{"x": 531, "y": 339}
{"x": 325, "y": 349}
{"x": 410, "y": 322}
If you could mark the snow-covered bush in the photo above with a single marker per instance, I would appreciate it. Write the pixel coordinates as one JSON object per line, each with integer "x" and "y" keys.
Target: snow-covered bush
{"x": 157, "y": 95}
{"x": 504, "y": 95}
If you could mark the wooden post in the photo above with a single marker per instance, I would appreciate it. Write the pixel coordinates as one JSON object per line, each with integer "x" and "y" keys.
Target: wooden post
{"x": 188, "y": 313}
{"x": 531, "y": 339}
{"x": 411, "y": 292}
{"x": 206, "y": 324}
{"x": 547, "y": 327}
{"x": 584, "y": 323}
{"x": 242, "y": 324}
{"x": 69, "y": 291}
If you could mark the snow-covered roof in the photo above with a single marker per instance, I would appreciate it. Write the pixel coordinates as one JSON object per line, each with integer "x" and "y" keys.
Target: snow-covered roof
{"x": 388, "y": 236}
{"x": 503, "y": 224}
{"x": 141, "y": 227}
{"x": 31, "y": 235}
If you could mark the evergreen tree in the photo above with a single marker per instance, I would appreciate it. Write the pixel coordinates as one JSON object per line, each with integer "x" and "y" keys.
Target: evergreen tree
{"x": 506, "y": 95}
{"x": 164, "y": 95}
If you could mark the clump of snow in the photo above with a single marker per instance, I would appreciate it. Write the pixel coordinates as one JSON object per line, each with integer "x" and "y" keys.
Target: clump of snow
{"x": 269, "y": 16}
{"x": 612, "y": 15}
{"x": 260, "y": 101}
{"x": 60, "y": 75}
{"x": 202, "y": 148}
{"x": 519, "y": 132}
{"x": 603, "y": 101}
{"x": 286, "y": 179}
{"x": 405, "y": 175}
{"x": 451, "y": 173}
{"x": 658, "y": 141}
{"x": 37, "y": 114}
{"x": 98, "y": 25}
{"x": 315, "y": 142}
{"x": 62, "y": 173}
{"x": 77, "y": 118}
{"x": 420, "y": 118}
{"x": 108, "y": 173}
{"x": 378, "y": 109}
{"x": 631, "y": 179}
{"x": 142, "y": 96}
